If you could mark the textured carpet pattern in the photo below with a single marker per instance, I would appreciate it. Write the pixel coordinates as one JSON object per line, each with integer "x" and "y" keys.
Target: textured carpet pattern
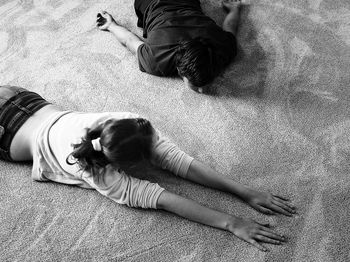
{"x": 279, "y": 121}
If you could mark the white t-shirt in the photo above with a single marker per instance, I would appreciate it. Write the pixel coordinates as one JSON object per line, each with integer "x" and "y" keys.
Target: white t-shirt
{"x": 54, "y": 143}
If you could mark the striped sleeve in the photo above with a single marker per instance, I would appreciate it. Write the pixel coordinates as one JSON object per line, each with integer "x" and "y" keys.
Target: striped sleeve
{"x": 124, "y": 189}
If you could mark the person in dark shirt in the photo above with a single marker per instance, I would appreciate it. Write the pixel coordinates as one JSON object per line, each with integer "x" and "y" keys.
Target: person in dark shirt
{"x": 179, "y": 39}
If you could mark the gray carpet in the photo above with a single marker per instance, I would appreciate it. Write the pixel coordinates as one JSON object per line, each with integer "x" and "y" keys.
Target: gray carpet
{"x": 279, "y": 121}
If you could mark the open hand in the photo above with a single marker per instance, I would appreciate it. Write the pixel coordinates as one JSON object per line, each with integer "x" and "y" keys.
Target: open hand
{"x": 269, "y": 204}
{"x": 104, "y": 20}
{"x": 253, "y": 232}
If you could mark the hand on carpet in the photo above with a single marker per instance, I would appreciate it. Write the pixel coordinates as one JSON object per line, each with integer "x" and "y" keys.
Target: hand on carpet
{"x": 269, "y": 204}
{"x": 104, "y": 20}
{"x": 254, "y": 232}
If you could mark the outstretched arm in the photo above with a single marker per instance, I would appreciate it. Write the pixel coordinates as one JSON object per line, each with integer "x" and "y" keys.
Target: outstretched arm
{"x": 106, "y": 22}
{"x": 232, "y": 7}
{"x": 168, "y": 156}
{"x": 263, "y": 202}
{"x": 248, "y": 230}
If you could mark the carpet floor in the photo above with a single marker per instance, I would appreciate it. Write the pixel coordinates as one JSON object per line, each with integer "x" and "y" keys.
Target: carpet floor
{"x": 279, "y": 121}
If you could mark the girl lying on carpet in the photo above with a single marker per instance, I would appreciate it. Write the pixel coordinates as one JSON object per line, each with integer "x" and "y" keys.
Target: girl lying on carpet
{"x": 90, "y": 149}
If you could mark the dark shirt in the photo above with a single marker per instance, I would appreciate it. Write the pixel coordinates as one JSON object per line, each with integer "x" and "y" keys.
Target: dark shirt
{"x": 166, "y": 23}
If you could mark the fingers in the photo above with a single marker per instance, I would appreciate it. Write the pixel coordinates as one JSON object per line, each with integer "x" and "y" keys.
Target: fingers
{"x": 265, "y": 239}
{"x": 277, "y": 204}
{"x": 257, "y": 233}
{"x": 264, "y": 224}
{"x": 269, "y": 230}
{"x": 104, "y": 20}
{"x": 271, "y": 234}
{"x": 266, "y": 211}
{"x": 257, "y": 245}
{"x": 102, "y": 13}
{"x": 282, "y": 198}
{"x": 100, "y": 20}
{"x": 266, "y": 235}
{"x": 284, "y": 201}
{"x": 283, "y": 205}
{"x": 280, "y": 210}
{"x": 279, "y": 207}
{"x": 100, "y": 23}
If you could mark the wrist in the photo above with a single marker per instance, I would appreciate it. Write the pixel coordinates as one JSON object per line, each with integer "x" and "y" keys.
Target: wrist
{"x": 246, "y": 193}
{"x": 230, "y": 223}
{"x": 113, "y": 25}
{"x": 241, "y": 191}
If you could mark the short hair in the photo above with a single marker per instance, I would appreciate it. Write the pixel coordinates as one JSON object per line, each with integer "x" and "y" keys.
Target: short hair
{"x": 195, "y": 60}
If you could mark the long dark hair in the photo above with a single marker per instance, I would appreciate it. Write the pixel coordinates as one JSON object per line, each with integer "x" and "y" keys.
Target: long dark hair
{"x": 122, "y": 142}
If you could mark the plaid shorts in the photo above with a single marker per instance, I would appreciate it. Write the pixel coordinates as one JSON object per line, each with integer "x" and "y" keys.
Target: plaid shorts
{"x": 16, "y": 106}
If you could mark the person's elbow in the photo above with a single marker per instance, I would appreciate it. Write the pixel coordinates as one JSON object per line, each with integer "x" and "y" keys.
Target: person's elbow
{"x": 132, "y": 43}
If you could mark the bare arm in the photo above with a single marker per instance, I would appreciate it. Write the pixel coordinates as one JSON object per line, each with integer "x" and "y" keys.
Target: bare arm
{"x": 106, "y": 22}
{"x": 247, "y": 230}
{"x": 263, "y": 202}
{"x": 125, "y": 37}
{"x": 168, "y": 156}
{"x": 231, "y": 20}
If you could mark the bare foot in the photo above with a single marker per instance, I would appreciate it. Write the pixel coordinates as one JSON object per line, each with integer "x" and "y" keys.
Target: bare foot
{"x": 104, "y": 21}
{"x": 230, "y": 5}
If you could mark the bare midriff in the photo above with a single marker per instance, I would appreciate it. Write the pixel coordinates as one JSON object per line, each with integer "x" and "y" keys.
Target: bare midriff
{"x": 22, "y": 145}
